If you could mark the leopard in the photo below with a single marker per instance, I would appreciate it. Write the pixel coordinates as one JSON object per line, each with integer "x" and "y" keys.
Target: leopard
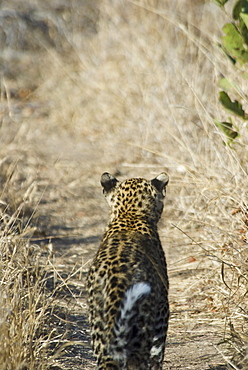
{"x": 127, "y": 282}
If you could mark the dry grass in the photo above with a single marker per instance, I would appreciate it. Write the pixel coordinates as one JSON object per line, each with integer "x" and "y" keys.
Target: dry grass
{"x": 23, "y": 302}
{"x": 23, "y": 307}
{"x": 131, "y": 88}
{"x": 33, "y": 325}
{"x": 24, "y": 337}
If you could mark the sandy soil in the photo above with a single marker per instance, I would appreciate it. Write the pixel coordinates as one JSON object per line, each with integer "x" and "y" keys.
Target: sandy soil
{"x": 71, "y": 217}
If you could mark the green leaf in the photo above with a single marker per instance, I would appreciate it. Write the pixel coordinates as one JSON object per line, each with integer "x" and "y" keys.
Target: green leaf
{"x": 220, "y": 3}
{"x": 233, "y": 39}
{"x": 243, "y": 22}
{"x": 232, "y": 60}
{"x": 245, "y": 18}
{"x": 233, "y": 43}
{"x": 226, "y": 85}
{"x": 237, "y": 9}
{"x": 235, "y": 107}
{"x": 227, "y": 128}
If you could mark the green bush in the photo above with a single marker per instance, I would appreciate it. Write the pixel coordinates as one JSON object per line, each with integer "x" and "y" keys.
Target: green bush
{"x": 234, "y": 44}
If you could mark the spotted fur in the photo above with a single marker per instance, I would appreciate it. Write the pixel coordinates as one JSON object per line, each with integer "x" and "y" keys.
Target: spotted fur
{"x": 127, "y": 282}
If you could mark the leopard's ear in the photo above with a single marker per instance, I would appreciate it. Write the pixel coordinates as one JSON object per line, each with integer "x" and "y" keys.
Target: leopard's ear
{"x": 108, "y": 182}
{"x": 160, "y": 182}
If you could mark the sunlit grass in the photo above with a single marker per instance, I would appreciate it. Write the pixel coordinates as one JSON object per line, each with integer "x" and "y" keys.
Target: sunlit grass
{"x": 142, "y": 87}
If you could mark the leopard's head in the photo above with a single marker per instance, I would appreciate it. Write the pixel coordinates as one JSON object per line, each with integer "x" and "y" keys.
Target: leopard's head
{"x": 135, "y": 198}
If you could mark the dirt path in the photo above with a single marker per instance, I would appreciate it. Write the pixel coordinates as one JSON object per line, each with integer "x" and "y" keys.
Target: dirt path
{"x": 72, "y": 217}
{"x": 93, "y": 104}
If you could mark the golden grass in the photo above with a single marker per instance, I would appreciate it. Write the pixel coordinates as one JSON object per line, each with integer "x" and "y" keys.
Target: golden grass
{"x": 137, "y": 94}
{"x": 23, "y": 307}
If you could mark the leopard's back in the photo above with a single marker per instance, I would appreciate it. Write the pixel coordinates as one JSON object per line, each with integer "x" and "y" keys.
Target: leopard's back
{"x": 127, "y": 282}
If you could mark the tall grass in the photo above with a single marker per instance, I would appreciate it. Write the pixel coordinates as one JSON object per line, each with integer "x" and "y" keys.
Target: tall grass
{"x": 23, "y": 304}
{"x": 137, "y": 93}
